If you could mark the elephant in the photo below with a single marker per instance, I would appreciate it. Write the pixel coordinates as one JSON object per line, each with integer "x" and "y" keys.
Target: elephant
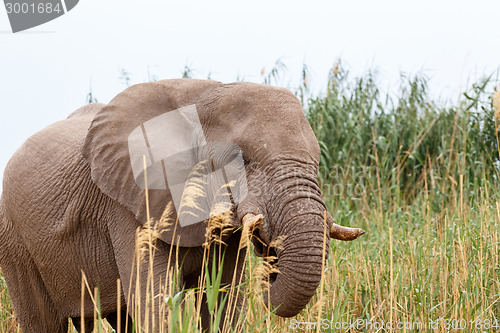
{"x": 72, "y": 201}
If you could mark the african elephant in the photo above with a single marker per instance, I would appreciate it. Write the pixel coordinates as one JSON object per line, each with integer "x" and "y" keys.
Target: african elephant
{"x": 72, "y": 201}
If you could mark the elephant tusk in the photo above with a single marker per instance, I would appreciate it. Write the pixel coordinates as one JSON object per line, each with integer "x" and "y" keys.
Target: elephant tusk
{"x": 345, "y": 233}
{"x": 251, "y": 221}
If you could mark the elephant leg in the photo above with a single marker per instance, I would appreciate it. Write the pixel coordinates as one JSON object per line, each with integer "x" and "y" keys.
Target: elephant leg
{"x": 136, "y": 278}
{"x": 29, "y": 295}
{"x": 232, "y": 276}
{"x": 111, "y": 318}
{"x": 152, "y": 288}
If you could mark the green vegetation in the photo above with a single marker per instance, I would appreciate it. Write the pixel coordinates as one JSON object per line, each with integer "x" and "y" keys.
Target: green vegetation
{"x": 422, "y": 178}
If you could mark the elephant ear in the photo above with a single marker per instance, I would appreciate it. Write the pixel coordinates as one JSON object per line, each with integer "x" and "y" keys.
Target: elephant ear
{"x": 129, "y": 133}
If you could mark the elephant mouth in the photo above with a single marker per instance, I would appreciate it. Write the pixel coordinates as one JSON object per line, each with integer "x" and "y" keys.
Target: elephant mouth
{"x": 268, "y": 253}
{"x": 263, "y": 250}
{"x": 273, "y": 275}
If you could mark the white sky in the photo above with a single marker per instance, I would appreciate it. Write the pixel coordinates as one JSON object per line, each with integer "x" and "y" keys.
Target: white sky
{"x": 46, "y": 72}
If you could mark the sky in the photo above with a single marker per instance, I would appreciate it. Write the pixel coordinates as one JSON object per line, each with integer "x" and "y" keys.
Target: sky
{"x": 47, "y": 71}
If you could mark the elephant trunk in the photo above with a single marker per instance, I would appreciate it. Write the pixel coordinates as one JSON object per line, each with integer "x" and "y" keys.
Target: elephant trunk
{"x": 300, "y": 260}
{"x": 293, "y": 224}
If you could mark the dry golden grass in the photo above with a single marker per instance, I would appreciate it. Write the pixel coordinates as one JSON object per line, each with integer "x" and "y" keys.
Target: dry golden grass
{"x": 411, "y": 267}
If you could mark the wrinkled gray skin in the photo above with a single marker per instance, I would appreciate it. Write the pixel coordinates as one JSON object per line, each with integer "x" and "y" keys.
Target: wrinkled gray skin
{"x": 70, "y": 204}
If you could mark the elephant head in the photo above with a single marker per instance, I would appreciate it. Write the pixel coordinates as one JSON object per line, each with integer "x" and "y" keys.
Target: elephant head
{"x": 266, "y": 127}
